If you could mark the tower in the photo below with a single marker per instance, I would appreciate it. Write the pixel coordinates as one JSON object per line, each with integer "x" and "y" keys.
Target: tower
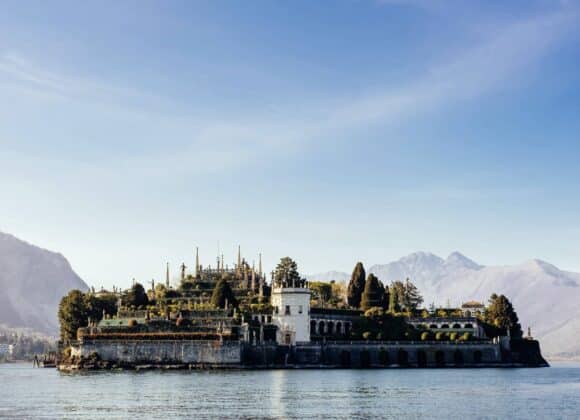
{"x": 291, "y": 313}
{"x": 196, "y": 261}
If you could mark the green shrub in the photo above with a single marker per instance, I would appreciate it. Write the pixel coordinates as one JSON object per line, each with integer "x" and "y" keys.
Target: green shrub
{"x": 439, "y": 336}
{"x": 132, "y": 323}
{"x": 453, "y": 336}
{"x": 366, "y": 335}
{"x": 425, "y": 336}
{"x": 466, "y": 336}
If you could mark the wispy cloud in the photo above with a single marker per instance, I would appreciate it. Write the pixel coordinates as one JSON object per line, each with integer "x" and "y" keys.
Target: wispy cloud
{"x": 501, "y": 56}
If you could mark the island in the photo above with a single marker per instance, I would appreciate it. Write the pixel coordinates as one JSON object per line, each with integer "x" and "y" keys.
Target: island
{"x": 233, "y": 317}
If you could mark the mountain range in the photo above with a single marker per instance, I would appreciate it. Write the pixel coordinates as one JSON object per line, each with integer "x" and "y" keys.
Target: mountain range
{"x": 32, "y": 282}
{"x": 545, "y": 297}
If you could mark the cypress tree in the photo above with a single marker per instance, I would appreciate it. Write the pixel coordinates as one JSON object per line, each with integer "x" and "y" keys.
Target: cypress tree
{"x": 356, "y": 285}
{"x": 221, "y": 293}
{"x": 373, "y": 294}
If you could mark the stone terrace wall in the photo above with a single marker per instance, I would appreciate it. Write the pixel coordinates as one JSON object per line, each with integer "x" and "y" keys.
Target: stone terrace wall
{"x": 190, "y": 352}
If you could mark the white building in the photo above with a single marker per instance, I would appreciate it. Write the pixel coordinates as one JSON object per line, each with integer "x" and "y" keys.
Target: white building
{"x": 291, "y": 314}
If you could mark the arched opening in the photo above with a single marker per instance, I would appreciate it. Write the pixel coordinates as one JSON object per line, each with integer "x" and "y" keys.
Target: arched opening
{"x": 339, "y": 328}
{"x": 468, "y": 326}
{"x": 321, "y": 329}
{"x": 345, "y": 358}
{"x": 330, "y": 327}
{"x": 467, "y": 314}
{"x": 440, "y": 358}
{"x": 445, "y": 326}
{"x": 313, "y": 327}
{"x": 477, "y": 356}
{"x": 347, "y": 329}
{"x": 365, "y": 359}
{"x": 433, "y": 326}
{"x": 383, "y": 357}
{"x": 456, "y": 326}
{"x": 421, "y": 358}
{"x": 402, "y": 357}
{"x": 458, "y": 357}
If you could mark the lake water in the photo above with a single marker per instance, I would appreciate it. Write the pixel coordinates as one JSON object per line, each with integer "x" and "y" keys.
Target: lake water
{"x": 549, "y": 393}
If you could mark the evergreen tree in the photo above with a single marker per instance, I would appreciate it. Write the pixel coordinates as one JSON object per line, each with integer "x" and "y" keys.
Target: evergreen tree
{"x": 286, "y": 273}
{"x": 501, "y": 314}
{"x": 136, "y": 296}
{"x": 72, "y": 315}
{"x": 386, "y": 298}
{"x": 411, "y": 297}
{"x": 95, "y": 306}
{"x": 356, "y": 285}
{"x": 373, "y": 294}
{"x": 396, "y": 296}
{"x": 221, "y": 293}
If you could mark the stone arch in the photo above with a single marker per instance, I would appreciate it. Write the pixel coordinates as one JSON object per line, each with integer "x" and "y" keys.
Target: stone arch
{"x": 402, "y": 357}
{"x": 456, "y": 326}
{"x": 445, "y": 326}
{"x": 468, "y": 326}
{"x": 467, "y": 313}
{"x": 477, "y": 356}
{"x": 440, "y": 358}
{"x": 330, "y": 327}
{"x": 383, "y": 357}
{"x": 433, "y": 326}
{"x": 421, "y": 358}
{"x": 365, "y": 359}
{"x": 346, "y": 328}
{"x": 321, "y": 328}
{"x": 345, "y": 358}
{"x": 458, "y": 357}
{"x": 338, "y": 327}
{"x": 313, "y": 329}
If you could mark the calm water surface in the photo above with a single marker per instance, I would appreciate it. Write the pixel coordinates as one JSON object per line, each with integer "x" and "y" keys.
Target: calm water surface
{"x": 549, "y": 393}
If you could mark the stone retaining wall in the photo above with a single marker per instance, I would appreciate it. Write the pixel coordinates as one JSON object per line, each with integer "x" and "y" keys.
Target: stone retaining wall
{"x": 189, "y": 352}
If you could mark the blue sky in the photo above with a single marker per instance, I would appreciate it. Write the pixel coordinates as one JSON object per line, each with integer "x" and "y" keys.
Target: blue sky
{"x": 330, "y": 131}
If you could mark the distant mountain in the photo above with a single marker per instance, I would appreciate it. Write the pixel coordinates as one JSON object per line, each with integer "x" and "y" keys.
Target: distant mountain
{"x": 328, "y": 276}
{"x": 545, "y": 297}
{"x": 32, "y": 282}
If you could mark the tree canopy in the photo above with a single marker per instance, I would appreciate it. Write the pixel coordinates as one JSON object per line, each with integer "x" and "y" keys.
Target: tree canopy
{"x": 404, "y": 296}
{"x": 501, "y": 314}
{"x": 356, "y": 285}
{"x": 223, "y": 293}
{"x": 76, "y": 307}
{"x": 286, "y": 273}
{"x": 373, "y": 294}
{"x": 136, "y": 296}
{"x": 72, "y": 315}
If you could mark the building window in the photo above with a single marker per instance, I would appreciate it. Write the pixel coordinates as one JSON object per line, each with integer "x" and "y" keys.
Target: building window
{"x": 275, "y": 309}
{"x": 287, "y": 311}
{"x": 300, "y": 309}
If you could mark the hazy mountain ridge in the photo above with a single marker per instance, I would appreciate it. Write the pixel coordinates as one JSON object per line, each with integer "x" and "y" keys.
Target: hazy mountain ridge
{"x": 545, "y": 297}
{"x": 33, "y": 280}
